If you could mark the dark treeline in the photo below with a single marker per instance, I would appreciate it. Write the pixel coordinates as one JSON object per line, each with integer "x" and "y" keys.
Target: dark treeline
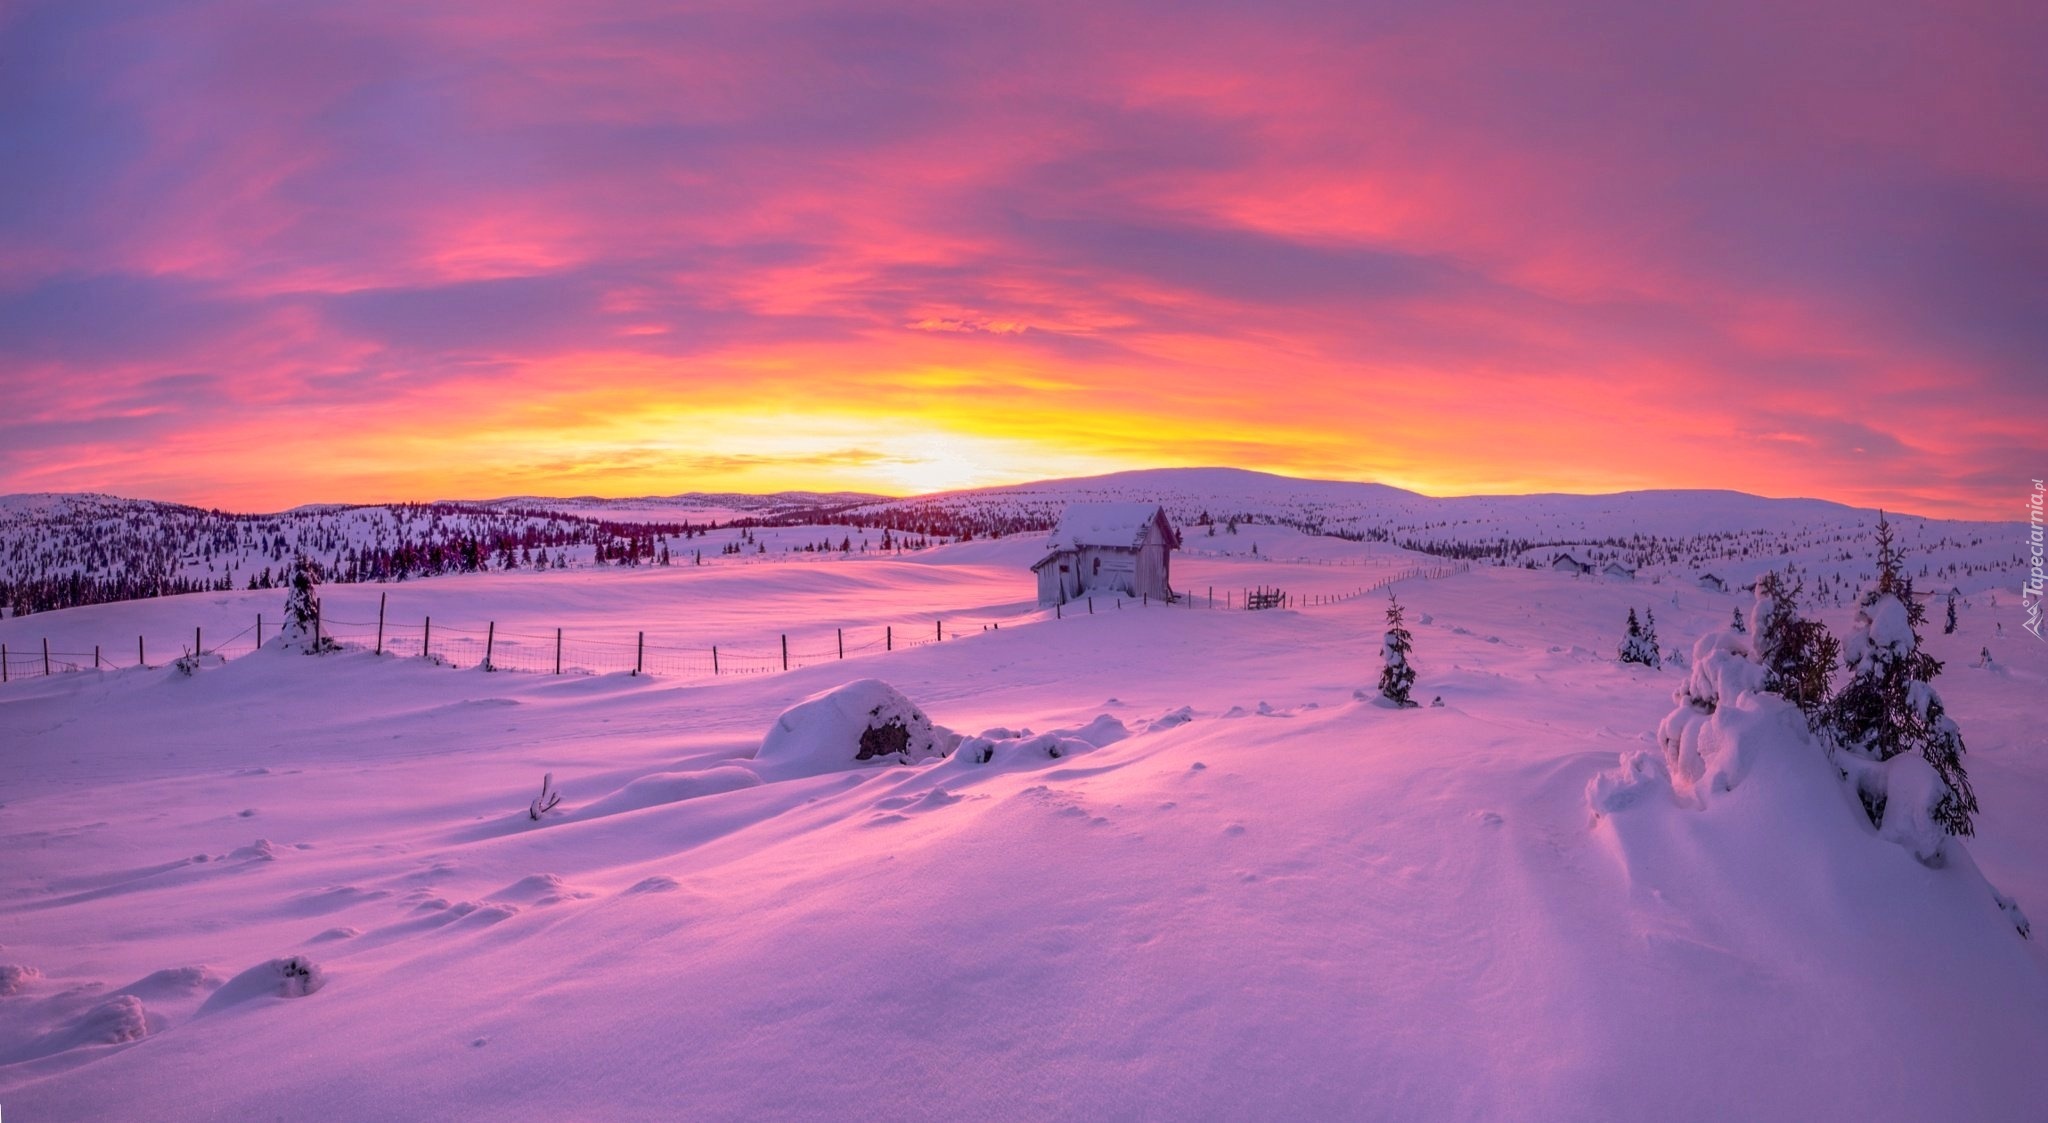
{"x": 93, "y": 551}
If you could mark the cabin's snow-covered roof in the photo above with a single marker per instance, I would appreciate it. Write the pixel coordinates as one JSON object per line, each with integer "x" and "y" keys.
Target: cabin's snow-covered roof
{"x": 1103, "y": 524}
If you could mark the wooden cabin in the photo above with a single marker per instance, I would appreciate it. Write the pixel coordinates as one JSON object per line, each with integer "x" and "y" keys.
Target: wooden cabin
{"x": 1108, "y": 549}
{"x": 1565, "y": 563}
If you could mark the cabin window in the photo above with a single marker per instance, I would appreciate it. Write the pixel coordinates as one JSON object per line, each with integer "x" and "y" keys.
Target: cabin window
{"x": 1063, "y": 567}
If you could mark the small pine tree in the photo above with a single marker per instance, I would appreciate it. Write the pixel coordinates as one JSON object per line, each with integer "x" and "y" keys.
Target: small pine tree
{"x": 1948, "y": 628}
{"x": 1797, "y": 655}
{"x": 302, "y": 607}
{"x": 1396, "y": 676}
{"x": 1631, "y": 648}
{"x": 1738, "y": 625}
{"x": 1650, "y": 648}
{"x": 1889, "y": 705}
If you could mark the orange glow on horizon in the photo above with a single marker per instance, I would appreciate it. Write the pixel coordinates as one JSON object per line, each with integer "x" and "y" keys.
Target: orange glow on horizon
{"x": 379, "y": 255}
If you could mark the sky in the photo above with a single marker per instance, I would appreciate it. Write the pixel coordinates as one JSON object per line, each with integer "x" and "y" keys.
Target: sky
{"x": 260, "y": 254}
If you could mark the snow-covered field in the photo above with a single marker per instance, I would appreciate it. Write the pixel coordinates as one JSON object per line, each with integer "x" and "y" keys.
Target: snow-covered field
{"x": 1239, "y": 891}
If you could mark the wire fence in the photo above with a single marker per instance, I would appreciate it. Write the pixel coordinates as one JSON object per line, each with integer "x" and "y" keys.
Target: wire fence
{"x": 587, "y": 651}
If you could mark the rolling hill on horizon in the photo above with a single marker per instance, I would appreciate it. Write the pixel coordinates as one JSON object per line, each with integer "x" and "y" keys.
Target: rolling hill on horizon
{"x": 60, "y": 549}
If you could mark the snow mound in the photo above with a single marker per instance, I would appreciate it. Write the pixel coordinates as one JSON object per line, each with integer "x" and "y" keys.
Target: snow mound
{"x": 172, "y": 982}
{"x": 847, "y": 726}
{"x": 540, "y": 889}
{"x": 294, "y": 976}
{"x": 14, "y": 977}
{"x": 261, "y": 850}
{"x": 119, "y": 1019}
{"x": 1719, "y": 700}
{"x": 1055, "y": 744}
{"x": 669, "y": 787}
{"x": 1174, "y": 717}
{"x": 1745, "y": 784}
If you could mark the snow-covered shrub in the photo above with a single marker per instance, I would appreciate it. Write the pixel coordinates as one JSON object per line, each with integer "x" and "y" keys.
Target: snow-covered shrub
{"x": 188, "y": 663}
{"x": 1700, "y": 752}
{"x": 1396, "y": 674}
{"x": 861, "y": 721}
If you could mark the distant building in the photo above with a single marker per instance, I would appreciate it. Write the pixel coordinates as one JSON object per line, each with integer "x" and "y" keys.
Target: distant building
{"x": 1109, "y": 548}
{"x": 1618, "y": 570}
{"x": 1565, "y": 563}
{"x": 1709, "y": 581}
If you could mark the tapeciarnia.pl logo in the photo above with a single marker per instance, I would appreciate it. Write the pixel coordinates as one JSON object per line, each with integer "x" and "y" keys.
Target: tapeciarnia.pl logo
{"x": 2031, "y": 588}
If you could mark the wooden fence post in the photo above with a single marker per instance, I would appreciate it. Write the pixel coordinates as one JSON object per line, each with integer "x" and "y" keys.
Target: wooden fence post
{"x": 46, "y": 656}
{"x": 940, "y": 630}
{"x": 198, "y": 648}
{"x": 639, "y": 652}
{"x": 380, "y": 622}
{"x": 889, "y": 637}
{"x": 319, "y": 640}
{"x": 558, "y": 651}
{"x": 714, "y": 658}
{"x": 259, "y": 631}
{"x": 1091, "y": 606}
{"x": 140, "y": 659}
{"x": 427, "y": 639}
{"x": 490, "y": 641}
{"x": 3, "y": 662}
{"x": 95, "y": 657}
{"x": 842, "y": 641}
{"x": 785, "y": 651}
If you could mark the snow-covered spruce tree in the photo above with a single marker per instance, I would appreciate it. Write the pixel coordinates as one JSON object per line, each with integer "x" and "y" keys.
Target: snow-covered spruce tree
{"x": 1948, "y": 628}
{"x": 1896, "y": 740}
{"x": 1797, "y": 655}
{"x": 302, "y": 608}
{"x": 1396, "y": 676}
{"x": 1738, "y": 625}
{"x": 1650, "y": 647}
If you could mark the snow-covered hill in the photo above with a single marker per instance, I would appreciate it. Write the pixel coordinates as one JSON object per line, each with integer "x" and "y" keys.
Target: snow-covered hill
{"x": 310, "y": 886}
{"x": 136, "y": 548}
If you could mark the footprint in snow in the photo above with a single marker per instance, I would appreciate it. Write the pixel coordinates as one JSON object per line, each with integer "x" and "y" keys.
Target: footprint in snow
{"x": 659, "y": 883}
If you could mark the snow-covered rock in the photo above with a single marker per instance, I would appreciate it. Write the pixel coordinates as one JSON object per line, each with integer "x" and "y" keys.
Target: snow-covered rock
{"x": 861, "y": 722}
{"x": 293, "y": 976}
